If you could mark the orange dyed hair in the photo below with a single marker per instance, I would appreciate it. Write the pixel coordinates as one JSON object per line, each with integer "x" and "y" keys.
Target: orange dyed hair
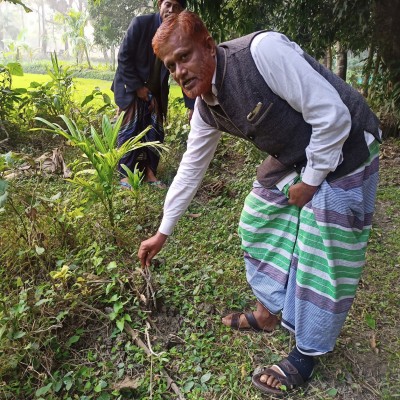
{"x": 187, "y": 21}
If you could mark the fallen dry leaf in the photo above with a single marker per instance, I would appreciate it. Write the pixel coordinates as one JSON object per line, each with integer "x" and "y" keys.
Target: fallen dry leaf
{"x": 129, "y": 383}
{"x": 194, "y": 215}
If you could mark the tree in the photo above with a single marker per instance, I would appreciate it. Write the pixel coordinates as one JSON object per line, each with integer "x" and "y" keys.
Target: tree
{"x": 75, "y": 22}
{"x": 18, "y": 2}
{"x": 16, "y": 47}
{"x": 320, "y": 26}
{"x": 110, "y": 20}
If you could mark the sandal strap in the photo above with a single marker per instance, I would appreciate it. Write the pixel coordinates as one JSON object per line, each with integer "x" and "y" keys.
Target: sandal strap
{"x": 253, "y": 322}
{"x": 235, "y": 320}
{"x": 291, "y": 380}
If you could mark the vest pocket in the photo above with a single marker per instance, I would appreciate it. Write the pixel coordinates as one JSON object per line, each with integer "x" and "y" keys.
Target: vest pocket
{"x": 258, "y": 113}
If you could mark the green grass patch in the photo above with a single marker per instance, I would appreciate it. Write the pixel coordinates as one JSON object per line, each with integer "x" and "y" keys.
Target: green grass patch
{"x": 83, "y": 87}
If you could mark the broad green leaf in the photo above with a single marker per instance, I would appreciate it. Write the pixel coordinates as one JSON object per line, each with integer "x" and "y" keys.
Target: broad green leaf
{"x": 370, "y": 321}
{"x": 68, "y": 383}
{"x": 18, "y": 335}
{"x": 118, "y": 306}
{"x": 188, "y": 386}
{"x": 20, "y": 90}
{"x": 87, "y": 100}
{"x": 34, "y": 85}
{"x": 332, "y": 392}
{"x": 106, "y": 98}
{"x": 73, "y": 340}
{"x": 114, "y": 298}
{"x": 112, "y": 265}
{"x": 205, "y": 378}
{"x": 15, "y": 68}
{"x": 43, "y": 390}
{"x": 58, "y": 386}
{"x": 120, "y": 324}
{"x": 100, "y": 386}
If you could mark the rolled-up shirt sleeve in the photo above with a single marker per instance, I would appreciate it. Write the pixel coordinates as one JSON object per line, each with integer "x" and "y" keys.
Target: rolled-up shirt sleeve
{"x": 201, "y": 146}
{"x": 291, "y": 77}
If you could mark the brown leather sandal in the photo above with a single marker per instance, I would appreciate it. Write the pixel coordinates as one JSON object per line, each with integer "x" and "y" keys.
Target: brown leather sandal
{"x": 251, "y": 320}
{"x": 290, "y": 378}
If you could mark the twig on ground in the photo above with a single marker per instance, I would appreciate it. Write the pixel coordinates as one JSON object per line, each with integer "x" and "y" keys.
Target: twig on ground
{"x": 150, "y": 292}
{"x": 96, "y": 310}
{"x": 164, "y": 373}
{"x": 371, "y": 389}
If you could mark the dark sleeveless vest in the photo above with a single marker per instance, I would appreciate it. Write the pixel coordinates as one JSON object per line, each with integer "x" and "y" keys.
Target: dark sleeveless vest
{"x": 249, "y": 109}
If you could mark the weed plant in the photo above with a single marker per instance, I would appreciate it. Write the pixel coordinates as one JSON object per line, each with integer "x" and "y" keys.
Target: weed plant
{"x": 73, "y": 301}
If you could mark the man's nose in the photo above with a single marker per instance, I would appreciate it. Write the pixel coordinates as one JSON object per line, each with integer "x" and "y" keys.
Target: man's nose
{"x": 180, "y": 71}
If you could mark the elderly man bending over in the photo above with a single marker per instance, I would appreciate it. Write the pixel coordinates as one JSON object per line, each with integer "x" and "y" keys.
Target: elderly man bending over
{"x": 305, "y": 224}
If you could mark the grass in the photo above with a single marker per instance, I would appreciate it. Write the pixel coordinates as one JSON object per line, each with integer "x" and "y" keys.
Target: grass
{"x": 83, "y": 87}
{"x": 67, "y": 293}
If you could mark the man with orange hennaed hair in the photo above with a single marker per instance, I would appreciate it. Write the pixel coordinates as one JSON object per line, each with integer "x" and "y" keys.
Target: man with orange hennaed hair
{"x": 141, "y": 90}
{"x": 305, "y": 224}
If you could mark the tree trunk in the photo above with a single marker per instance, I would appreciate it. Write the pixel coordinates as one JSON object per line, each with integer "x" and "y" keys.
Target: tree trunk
{"x": 341, "y": 62}
{"x": 367, "y": 71}
{"x": 40, "y": 28}
{"x": 328, "y": 58}
{"x": 113, "y": 57}
{"x": 388, "y": 35}
{"x": 66, "y": 45}
{"x": 376, "y": 69}
{"x": 87, "y": 57}
{"x": 44, "y": 31}
{"x": 1, "y": 39}
{"x": 105, "y": 55}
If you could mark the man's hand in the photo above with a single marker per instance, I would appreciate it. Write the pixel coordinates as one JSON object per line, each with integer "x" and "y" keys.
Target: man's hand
{"x": 301, "y": 193}
{"x": 143, "y": 93}
{"x": 150, "y": 247}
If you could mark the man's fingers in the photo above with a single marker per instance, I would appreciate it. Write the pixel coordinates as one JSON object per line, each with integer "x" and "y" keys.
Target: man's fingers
{"x": 149, "y": 258}
{"x": 145, "y": 256}
{"x": 142, "y": 255}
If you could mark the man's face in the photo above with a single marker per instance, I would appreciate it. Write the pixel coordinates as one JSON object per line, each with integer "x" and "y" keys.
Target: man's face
{"x": 190, "y": 62}
{"x": 168, "y": 7}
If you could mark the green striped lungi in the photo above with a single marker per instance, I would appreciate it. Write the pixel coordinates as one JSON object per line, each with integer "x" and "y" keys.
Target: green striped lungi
{"x": 307, "y": 262}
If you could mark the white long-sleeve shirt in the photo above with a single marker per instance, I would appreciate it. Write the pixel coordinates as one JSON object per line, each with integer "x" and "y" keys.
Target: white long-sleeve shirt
{"x": 290, "y": 76}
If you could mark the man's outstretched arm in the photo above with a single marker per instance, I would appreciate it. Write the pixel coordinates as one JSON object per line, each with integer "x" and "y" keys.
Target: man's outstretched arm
{"x": 202, "y": 143}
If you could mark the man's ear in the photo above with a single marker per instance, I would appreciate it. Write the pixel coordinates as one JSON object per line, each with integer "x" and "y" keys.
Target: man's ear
{"x": 210, "y": 44}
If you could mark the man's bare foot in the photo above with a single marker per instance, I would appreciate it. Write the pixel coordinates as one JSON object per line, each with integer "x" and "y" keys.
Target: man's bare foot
{"x": 259, "y": 320}
{"x": 125, "y": 184}
{"x": 152, "y": 180}
{"x": 270, "y": 380}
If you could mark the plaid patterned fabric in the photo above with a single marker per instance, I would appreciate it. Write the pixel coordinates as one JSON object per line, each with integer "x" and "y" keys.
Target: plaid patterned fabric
{"x": 307, "y": 262}
{"x": 136, "y": 119}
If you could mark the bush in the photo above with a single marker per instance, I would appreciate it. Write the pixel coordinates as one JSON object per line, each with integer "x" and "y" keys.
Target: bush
{"x": 40, "y": 67}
